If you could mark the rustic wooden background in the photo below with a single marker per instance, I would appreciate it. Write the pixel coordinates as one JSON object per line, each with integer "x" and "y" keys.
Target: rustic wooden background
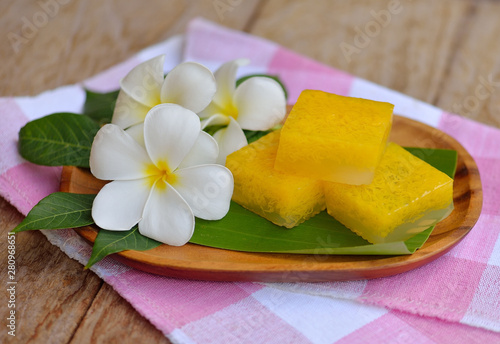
{"x": 443, "y": 52}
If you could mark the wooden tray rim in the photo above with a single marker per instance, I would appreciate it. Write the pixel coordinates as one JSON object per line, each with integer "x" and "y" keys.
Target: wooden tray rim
{"x": 379, "y": 266}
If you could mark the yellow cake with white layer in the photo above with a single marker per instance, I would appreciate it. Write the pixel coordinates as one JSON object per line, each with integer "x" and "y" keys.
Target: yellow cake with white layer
{"x": 406, "y": 197}
{"x": 334, "y": 138}
{"x": 283, "y": 199}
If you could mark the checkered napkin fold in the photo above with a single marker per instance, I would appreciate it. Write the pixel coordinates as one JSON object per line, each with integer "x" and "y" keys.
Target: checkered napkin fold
{"x": 453, "y": 299}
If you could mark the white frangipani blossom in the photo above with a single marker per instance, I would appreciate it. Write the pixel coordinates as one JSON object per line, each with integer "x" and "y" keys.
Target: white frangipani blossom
{"x": 189, "y": 84}
{"x": 258, "y": 103}
{"x": 163, "y": 184}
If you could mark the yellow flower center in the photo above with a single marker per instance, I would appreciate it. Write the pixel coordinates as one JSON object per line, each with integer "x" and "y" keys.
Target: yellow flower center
{"x": 160, "y": 171}
{"x": 231, "y": 110}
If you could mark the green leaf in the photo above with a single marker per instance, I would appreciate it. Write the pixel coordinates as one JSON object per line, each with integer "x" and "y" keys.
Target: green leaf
{"x": 211, "y": 130}
{"x": 274, "y": 77}
{"x": 100, "y": 106}
{"x": 444, "y": 160}
{"x": 242, "y": 230}
{"x": 109, "y": 242}
{"x": 253, "y": 135}
{"x": 58, "y": 139}
{"x": 59, "y": 210}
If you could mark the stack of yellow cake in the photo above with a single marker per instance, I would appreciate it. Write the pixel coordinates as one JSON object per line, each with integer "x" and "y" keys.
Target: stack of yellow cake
{"x": 333, "y": 152}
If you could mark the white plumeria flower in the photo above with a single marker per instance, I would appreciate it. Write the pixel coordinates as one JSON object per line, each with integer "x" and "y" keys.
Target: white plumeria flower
{"x": 258, "y": 103}
{"x": 164, "y": 184}
{"x": 189, "y": 84}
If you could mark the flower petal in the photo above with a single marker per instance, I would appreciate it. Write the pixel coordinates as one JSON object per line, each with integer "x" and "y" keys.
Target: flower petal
{"x": 128, "y": 111}
{"x": 226, "y": 81}
{"x": 204, "y": 151}
{"x": 170, "y": 132}
{"x": 230, "y": 139}
{"x": 216, "y": 119}
{"x": 167, "y": 217}
{"x": 137, "y": 132}
{"x": 261, "y": 103}
{"x": 210, "y": 110}
{"x": 190, "y": 85}
{"x": 115, "y": 155}
{"x": 119, "y": 205}
{"x": 207, "y": 189}
{"x": 143, "y": 82}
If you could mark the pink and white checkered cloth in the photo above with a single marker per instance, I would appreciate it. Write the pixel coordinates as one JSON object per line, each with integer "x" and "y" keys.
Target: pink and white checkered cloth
{"x": 454, "y": 299}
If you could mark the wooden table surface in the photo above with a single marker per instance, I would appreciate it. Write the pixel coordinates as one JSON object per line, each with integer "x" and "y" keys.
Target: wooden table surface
{"x": 446, "y": 53}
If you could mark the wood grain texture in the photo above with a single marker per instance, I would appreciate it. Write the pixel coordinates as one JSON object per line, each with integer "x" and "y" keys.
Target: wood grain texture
{"x": 82, "y": 38}
{"x": 206, "y": 263}
{"x": 408, "y": 52}
{"x": 49, "y": 285}
{"x": 109, "y": 316}
{"x": 471, "y": 88}
{"x": 436, "y": 51}
{"x": 78, "y": 40}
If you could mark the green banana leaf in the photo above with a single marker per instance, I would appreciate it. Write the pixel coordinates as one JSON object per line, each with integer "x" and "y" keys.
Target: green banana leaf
{"x": 242, "y": 230}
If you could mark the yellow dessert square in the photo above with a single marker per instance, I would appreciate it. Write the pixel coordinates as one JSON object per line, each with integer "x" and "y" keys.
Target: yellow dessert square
{"x": 334, "y": 138}
{"x": 406, "y": 197}
{"x": 283, "y": 199}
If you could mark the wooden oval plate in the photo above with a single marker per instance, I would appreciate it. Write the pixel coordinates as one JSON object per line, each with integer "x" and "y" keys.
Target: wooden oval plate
{"x": 205, "y": 263}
